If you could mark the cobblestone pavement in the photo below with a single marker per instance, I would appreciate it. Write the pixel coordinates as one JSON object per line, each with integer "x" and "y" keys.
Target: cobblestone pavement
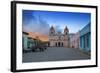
{"x": 55, "y": 54}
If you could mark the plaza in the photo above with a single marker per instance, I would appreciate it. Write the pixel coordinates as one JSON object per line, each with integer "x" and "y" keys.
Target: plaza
{"x": 55, "y": 54}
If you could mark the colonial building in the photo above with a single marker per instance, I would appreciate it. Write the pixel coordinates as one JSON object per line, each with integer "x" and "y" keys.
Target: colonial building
{"x": 85, "y": 38}
{"x": 74, "y": 40}
{"x": 27, "y": 41}
{"x": 30, "y": 39}
{"x": 58, "y": 39}
{"x": 71, "y": 36}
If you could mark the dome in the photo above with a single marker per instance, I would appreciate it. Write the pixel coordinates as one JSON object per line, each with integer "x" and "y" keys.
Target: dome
{"x": 52, "y": 30}
{"x": 66, "y": 30}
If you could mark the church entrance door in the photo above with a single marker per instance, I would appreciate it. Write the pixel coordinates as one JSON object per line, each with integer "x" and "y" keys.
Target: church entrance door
{"x": 59, "y": 44}
{"x": 62, "y": 45}
{"x": 56, "y": 44}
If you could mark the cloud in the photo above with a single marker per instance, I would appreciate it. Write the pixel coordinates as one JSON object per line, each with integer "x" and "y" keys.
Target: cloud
{"x": 36, "y": 25}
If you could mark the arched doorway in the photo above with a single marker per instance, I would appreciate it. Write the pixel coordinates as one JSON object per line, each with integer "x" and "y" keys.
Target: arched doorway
{"x": 62, "y": 44}
{"x": 59, "y": 44}
{"x": 56, "y": 44}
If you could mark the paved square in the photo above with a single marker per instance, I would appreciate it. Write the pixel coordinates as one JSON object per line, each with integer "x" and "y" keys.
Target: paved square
{"x": 55, "y": 54}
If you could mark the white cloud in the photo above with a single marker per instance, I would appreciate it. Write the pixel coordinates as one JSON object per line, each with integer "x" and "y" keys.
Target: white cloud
{"x": 40, "y": 26}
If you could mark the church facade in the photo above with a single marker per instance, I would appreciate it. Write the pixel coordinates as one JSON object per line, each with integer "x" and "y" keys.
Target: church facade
{"x": 58, "y": 39}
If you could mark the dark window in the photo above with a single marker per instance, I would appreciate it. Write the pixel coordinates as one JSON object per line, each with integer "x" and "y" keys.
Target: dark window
{"x": 59, "y": 44}
{"x": 87, "y": 39}
{"x": 62, "y": 44}
{"x": 84, "y": 42}
{"x": 56, "y": 44}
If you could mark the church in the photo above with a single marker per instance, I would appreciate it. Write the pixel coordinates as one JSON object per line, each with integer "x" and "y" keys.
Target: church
{"x": 58, "y": 39}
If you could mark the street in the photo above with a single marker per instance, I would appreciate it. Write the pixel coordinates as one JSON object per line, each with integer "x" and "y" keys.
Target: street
{"x": 55, "y": 54}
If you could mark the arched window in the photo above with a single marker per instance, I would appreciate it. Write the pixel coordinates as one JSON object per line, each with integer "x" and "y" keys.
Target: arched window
{"x": 62, "y": 44}
{"x": 59, "y": 44}
{"x": 56, "y": 44}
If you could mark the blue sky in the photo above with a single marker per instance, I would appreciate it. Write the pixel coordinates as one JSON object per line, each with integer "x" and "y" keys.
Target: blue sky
{"x": 41, "y": 21}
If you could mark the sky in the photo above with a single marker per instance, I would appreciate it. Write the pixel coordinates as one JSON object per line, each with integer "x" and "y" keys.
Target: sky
{"x": 41, "y": 21}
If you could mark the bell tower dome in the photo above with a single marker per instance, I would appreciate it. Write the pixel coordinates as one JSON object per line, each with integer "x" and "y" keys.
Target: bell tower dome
{"x": 52, "y": 30}
{"x": 66, "y": 31}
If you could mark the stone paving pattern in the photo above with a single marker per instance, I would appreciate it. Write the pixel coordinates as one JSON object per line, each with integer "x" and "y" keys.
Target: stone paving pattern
{"x": 55, "y": 54}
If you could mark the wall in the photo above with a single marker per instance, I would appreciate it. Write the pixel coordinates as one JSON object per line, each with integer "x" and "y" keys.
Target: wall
{"x": 85, "y": 38}
{"x": 5, "y": 37}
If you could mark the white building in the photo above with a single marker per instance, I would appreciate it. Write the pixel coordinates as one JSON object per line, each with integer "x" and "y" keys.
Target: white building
{"x": 74, "y": 40}
{"x": 58, "y": 39}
